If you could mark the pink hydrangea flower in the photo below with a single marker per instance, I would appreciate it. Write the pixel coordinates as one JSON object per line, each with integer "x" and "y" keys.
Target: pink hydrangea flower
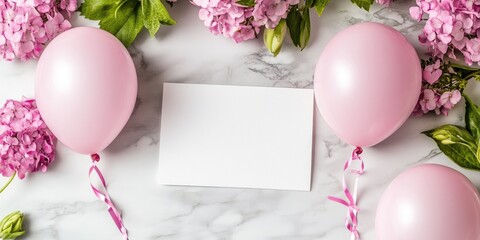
{"x": 240, "y": 23}
{"x": 268, "y": 13}
{"x": 26, "y": 144}
{"x": 453, "y": 26}
{"x": 27, "y": 25}
{"x": 440, "y": 103}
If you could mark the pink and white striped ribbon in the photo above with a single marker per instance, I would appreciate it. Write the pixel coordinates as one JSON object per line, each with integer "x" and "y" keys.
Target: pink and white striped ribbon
{"x": 105, "y": 197}
{"x": 351, "y": 221}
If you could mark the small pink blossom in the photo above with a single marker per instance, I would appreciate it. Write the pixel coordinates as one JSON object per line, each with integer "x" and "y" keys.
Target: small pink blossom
{"x": 471, "y": 51}
{"x": 26, "y": 144}
{"x": 448, "y": 100}
{"x": 428, "y": 101}
{"x": 432, "y": 73}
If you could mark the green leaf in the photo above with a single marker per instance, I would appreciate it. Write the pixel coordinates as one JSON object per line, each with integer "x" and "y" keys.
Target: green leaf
{"x": 246, "y": 3}
{"x": 365, "y": 4}
{"x": 309, "y": 3}
{"x": 162, "y": 14}
{"x": 152, "y": 24}
{"x": 457, "y": 144}
{"x": 294, "y": 21}
{"x": 126, "y": 18}
{"x": 154, "y": 13}
{"x": 112, "y": 14}
{"x": 320, "y": 6}
{"x": 472, "y": 119}
{"x": 132, "y": 28}
{"x": 305, "y": 29}
{"x": 299, "y": 26}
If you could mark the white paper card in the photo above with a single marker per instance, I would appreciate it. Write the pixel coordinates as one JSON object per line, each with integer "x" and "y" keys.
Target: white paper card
{"x": 233, "y": 136}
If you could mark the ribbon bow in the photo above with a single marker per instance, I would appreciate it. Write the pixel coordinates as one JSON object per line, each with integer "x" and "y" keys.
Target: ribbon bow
{"x": 105, "y": 197}
{"x": 351, "y": 221}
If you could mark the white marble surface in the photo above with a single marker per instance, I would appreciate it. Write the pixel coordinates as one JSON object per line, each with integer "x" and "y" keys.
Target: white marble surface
{"x": 60, "y": 205}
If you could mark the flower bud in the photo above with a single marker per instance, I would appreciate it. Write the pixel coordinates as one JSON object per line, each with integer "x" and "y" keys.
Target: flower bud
{"x": 273, "y": 38}
{"x": 442, "y": 135}
{"x": 11, "y": 226}
{"x": 447, "y": 142}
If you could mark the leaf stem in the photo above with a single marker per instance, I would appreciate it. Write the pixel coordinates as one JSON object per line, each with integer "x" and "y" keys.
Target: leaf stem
{"x": 119, "y": 6}
{"x": 471, "y": 75}
{"x": 456, "y": 65}
{"x": 468, "y": 143}
{"x": 8, "y": 182}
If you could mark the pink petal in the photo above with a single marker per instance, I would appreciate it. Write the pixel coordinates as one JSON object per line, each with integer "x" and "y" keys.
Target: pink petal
{"x": 456, "y": 96}
{"x": 436, "y": 23}
{"x": 442, "y": 47}
{"x": 27, "y": 46}
{"x": 17, "y": 37}
{"x": 445, "y": 38}
{"x": 447, "y": 28}
{"x": 445, "y": 98}
{"x": 428, "y": 94}
{"x": 431, "y": 36}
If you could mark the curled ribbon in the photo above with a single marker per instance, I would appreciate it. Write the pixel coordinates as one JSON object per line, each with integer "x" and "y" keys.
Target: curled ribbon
{"x": 351, "y": 220}
{"x": 105, "y": 197}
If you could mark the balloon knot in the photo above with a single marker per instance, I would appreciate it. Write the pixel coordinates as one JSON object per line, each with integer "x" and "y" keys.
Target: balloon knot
{"x": 95, "y": 157}
{"x": 358, "y": 150}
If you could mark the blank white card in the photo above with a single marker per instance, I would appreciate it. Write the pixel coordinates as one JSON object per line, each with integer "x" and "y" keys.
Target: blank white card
{"x": 233, "y": 136}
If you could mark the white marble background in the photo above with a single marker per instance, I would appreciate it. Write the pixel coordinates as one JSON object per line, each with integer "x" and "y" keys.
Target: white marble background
{"x": 60, "y": 205}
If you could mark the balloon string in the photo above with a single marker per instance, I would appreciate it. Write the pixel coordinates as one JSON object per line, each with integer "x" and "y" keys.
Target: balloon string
{"x": 105, "y": 197}
{"x": 351, "y": 221}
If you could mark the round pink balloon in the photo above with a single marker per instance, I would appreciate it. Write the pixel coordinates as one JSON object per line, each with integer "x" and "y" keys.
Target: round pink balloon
{"x": 367, "y": 83}
{"x": 86, "y": 88}
{"x": 429, "y": 202}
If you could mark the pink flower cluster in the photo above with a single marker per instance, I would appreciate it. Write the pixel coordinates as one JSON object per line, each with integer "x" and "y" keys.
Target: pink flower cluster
{"x": 431, "y": 100}
{"x": 441, "y": 89}
{"x": 240, "y": 23}
{"x": 27, "y": 25}
{"x": 452, "y": 26}
{"x": 26, "y": 144}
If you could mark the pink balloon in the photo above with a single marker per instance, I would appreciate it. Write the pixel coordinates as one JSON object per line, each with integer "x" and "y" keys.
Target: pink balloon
{"x": 367, "y": 83}
{"x": 86, "y": 88}
{"x": 429, "y": 202}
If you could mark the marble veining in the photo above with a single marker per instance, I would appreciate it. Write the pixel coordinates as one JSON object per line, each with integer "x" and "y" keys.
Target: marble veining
{"x": 60, "y": 205}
